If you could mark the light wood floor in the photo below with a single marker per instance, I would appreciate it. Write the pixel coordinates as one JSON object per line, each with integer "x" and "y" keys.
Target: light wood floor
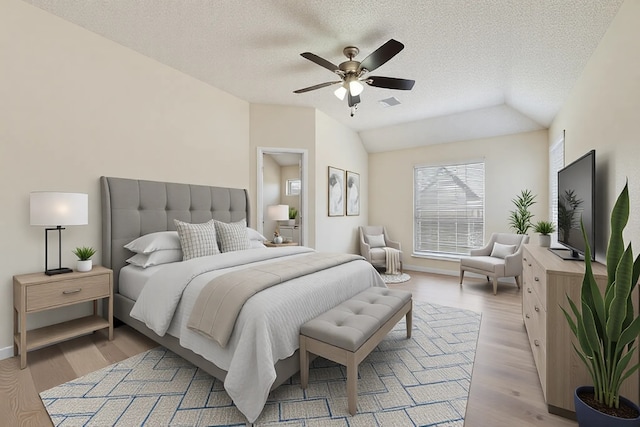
{"x": 505, "y": 390}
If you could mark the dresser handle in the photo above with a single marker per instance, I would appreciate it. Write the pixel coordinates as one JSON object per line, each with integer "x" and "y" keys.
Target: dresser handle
{"x": 525, "y": 259}
{"x": 536, "y": 279}
{"x": 72, "y": 291}
{"x": 536, "y": 343}
{"x": 529, "y": 264}
{"x": 529, "y": 290}
{"x": 537, "y": 308}
{"x": 527, "y": 316}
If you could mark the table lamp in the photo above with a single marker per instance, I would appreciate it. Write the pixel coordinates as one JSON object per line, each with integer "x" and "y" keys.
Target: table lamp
{"x": 53, "y": 210}
{"x": 278, "y": 213}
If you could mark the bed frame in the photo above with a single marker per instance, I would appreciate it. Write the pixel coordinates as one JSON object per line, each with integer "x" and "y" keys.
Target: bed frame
{"x": 132, "y": 208}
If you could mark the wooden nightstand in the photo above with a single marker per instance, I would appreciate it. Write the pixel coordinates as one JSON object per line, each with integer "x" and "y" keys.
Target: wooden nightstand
{"x": 39, "y": 292}
{"x": 277, "y": 245}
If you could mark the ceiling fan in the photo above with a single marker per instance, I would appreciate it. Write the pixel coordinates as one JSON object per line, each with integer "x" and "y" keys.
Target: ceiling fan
{"x": 353, "y": 73}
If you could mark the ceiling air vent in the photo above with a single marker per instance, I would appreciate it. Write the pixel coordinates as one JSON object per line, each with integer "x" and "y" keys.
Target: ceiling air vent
{"x": 389, "y": 102}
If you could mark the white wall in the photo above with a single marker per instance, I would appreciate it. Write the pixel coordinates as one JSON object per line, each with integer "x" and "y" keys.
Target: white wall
{"x": 512, "y": 163}
{"x": 340, "y": 147}
{"x": 75, "y": 106}
{"x": 271, "y": 188}
{"x": 602, "y": 113}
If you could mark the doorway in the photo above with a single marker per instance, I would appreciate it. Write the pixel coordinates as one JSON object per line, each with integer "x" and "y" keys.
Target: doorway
{"x": 282, "y": 180}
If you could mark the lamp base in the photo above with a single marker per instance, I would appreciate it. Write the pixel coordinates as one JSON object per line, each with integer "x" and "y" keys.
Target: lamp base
{"x": 55, "y": 271}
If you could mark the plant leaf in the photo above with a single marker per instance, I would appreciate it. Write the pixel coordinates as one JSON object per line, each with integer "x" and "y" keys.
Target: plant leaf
{"x": 618, "y": 309}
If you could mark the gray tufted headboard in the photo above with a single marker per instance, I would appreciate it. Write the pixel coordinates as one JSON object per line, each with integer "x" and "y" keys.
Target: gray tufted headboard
{"x": 132, "y": 208}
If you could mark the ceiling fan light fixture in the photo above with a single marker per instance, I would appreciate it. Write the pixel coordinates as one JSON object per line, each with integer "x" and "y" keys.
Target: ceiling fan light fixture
{"x": 341, "y": 92}
{"x": 355, "y": 87}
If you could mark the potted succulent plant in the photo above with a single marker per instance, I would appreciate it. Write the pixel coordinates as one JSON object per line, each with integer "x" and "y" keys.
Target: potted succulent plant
{"x": 293, "y": 213}
{"x": 84, "y": 254}
{"x": 520, "y": 218}
{"x": 545, "y": 228}
{"x": 606, "y": 330}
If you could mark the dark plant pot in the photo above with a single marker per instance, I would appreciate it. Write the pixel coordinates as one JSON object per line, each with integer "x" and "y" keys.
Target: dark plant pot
{"x": 590, "y": 417}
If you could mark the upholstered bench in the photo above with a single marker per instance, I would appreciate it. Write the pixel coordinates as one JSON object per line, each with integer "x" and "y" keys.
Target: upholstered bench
{"x": 347, "y": 333}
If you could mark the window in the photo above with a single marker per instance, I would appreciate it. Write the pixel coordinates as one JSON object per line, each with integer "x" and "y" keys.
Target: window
{"x": 556, "y": 162}
{"x": 448, "y": 209}
{"x": 293, "y": 187}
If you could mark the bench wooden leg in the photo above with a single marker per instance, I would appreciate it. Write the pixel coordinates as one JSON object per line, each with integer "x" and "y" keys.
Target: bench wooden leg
{"x": 304, "y": 362}
{"x": 409, "y": 321}
{"x": 352, "y": 383}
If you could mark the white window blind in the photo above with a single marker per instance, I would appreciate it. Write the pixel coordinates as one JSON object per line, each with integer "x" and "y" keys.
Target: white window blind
{"x": 556, "y": 162}
{"x": 448, "y": 208}
{"x": 293, "y": 187}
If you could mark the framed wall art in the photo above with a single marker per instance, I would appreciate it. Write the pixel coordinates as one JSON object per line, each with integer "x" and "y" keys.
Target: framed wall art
{"x": 336, "y": 191}
{"x": 353, "y": 193}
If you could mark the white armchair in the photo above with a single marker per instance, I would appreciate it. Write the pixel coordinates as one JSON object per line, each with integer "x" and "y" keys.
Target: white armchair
{"x": 374, "y": 251}
{"x": 500, "y": 257}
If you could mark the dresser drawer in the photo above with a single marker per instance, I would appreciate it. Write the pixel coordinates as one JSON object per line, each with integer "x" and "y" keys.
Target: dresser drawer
{"x": 48, "y": 295}
{"x": 535, "y": 278}
{"x": 535, "y": 319}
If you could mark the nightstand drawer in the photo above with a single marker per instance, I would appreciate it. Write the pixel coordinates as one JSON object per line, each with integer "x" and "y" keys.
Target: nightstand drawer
{"x": 71, "y": 291}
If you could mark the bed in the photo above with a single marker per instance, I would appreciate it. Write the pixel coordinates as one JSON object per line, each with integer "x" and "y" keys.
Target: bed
{"x": 257, "y": 359}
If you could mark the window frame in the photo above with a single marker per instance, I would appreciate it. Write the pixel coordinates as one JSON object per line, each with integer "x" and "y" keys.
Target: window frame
{"x": 288, "y": 185}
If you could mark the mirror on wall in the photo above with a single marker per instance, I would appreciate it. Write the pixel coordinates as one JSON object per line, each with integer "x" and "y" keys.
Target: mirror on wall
{"x": 282, "y": 185}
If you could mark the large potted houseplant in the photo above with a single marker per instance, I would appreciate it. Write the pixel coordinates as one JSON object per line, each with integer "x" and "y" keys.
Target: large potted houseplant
{"x": 607, "y": 329}
{"x": 520, "y": 218}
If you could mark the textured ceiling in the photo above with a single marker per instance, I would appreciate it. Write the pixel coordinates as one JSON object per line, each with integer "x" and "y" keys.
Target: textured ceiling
{"x": 482, "y": 67}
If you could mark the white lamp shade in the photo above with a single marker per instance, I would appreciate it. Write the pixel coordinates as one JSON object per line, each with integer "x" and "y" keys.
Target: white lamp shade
{"x": 355, "y": 87}
{"x": 50, "y": 208}
{"x": 278, "y": 212}
{"x": 340, "y": 92}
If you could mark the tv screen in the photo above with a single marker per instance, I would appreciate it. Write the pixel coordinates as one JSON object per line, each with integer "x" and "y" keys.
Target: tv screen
{"x": 576, "y": 202}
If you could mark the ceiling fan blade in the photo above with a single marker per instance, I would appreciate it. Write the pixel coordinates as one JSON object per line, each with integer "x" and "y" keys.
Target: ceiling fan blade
{"x": 353, "y": 100}
{"x": 381, "y": 55}
{"x": 320, "y": 61}
{"x": 390, "y": 82}
{"x": 318, "y": 86}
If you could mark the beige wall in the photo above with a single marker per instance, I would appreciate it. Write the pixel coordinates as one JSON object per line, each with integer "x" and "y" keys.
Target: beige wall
{"x": 289, "y": 172}
{"x": 512, "y": 163}
{"x": 271, "y": 189}
{"x": 340, "y": 147}
{"x": 75, "y": 106}
{"x": 602, "y": 113}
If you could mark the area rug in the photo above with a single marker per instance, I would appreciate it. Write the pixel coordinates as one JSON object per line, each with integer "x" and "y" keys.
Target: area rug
{"x": 420, "y": 381}
{"x": 395, "y": 278}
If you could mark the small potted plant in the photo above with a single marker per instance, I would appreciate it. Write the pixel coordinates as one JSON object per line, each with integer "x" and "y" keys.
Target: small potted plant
{"x": 84, "y": 255}
{"x": 606, "y": 330}
{"x": 293, "y": 213}
{"x": 545, "y": 228}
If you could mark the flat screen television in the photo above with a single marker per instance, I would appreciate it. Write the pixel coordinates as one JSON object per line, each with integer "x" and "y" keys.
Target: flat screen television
{"x": 576, "y": 202}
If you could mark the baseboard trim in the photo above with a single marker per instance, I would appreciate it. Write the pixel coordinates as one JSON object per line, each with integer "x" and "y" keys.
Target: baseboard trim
{"x": 6, "y": 352}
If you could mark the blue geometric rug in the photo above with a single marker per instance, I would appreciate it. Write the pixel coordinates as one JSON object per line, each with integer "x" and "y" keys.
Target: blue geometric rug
{"x": 423, "y": 381}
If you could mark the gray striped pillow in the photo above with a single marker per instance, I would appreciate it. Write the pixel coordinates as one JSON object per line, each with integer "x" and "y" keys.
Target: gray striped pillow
{"x": 197, "y": 240}
{"x": 233, "y": 236}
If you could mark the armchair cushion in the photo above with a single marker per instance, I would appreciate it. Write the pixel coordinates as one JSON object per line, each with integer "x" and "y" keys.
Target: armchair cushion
{"x": 376, "y": 241}
{"x": 501, "y": 251}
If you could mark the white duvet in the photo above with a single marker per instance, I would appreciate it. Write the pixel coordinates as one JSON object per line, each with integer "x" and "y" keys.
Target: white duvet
{"x": 268, "y": 326}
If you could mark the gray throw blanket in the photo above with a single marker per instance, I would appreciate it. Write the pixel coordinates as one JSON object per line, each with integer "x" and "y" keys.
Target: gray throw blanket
{"x": 219, "y": 303}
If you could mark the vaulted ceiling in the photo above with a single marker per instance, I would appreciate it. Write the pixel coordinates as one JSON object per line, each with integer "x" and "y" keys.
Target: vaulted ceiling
{"x": 482, "y": 67}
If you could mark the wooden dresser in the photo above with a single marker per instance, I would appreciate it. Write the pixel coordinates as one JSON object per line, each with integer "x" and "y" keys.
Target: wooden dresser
{"x": 547, "y": 279}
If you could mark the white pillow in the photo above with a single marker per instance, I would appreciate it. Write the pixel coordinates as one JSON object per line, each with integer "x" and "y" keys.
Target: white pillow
{"x": 255, "y": 244}
{"x": 158, "y": 241}
{"x": 254, "y": 235}
{"x": 232, "y": 237}
{"x": 501, "y": 251}
{"x": 156, "y": 258}
{"x": 376, "y": 240}
{"x": 197, "y": 240}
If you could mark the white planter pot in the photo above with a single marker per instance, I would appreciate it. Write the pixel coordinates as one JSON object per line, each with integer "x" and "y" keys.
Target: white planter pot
{"x": 545, "y": 240}
{"x": 277, "y": 240}
{"x": 84, "y": 265}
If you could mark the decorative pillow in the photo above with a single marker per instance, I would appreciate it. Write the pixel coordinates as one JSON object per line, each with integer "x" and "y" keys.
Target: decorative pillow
{"x": 158, "y": 241}
{"x": 197, "y": 240}
{"x": 156, "y": 258}
{"x": 233, "y": 236}
{"x": 254, "y": 235}
{"x": 376, "y": 241}
{"x": 501, "y": 251}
